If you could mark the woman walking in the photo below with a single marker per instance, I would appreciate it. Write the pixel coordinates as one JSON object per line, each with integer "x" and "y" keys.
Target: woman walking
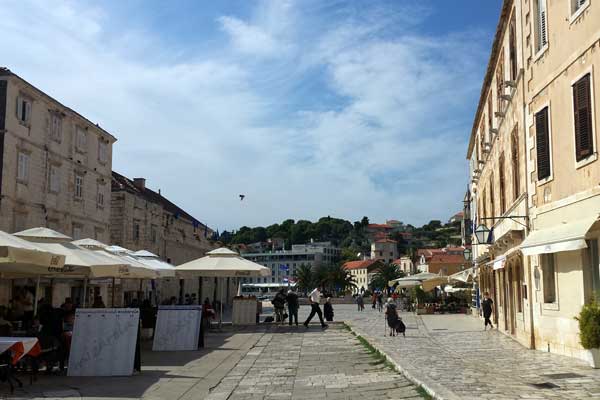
{"x": 486, "y": 307}
{"x": 391, "y": 315}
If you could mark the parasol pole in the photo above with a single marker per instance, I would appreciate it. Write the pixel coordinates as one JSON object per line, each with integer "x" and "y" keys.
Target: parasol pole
{"x": 221, "y": 313}
{"x": 84, "y": 291}
{"x": 113, "y": 292}
{"x": 35, "y": 299}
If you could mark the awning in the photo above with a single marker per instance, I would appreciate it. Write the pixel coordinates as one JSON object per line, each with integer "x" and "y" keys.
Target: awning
{"x": 432, "y": 283}
{"x": 562, "y": 237}
{"x": 499, "y": 262}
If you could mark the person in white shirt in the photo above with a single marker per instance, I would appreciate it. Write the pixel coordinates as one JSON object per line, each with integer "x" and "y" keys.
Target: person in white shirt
{"x": 315, "y": 297}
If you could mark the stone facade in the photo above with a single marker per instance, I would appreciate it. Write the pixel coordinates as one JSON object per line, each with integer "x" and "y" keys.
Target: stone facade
{"x": 142, "y": 219}
{"x": 534, "y": 170}
{"x": 384, "y": 250}
{"x": 55, "y": 172}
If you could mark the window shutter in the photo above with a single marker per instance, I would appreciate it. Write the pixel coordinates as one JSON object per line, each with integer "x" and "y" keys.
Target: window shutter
{"x": 543, "y": 23}
{"x": 583, "y": 118}
{"x": 27, "y": 111}
{"x": 542, "y": 144}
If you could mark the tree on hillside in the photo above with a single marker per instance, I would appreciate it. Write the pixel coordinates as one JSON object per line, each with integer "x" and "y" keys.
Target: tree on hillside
{"x": 384, "y": 274}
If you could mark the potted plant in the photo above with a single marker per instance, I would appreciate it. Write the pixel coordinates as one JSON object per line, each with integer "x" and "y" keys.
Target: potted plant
{"x": 589, "y": 331}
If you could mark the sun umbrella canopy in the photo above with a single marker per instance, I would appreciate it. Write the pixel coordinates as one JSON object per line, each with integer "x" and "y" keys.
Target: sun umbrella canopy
{"x": 162, "y": 268}
{"x": 19, "y": 257}
{"x": 221, "y": 263}
{"x": 80, "y": 261}
{"x": 412, "y": 280}
{"x": 430, "y": 284}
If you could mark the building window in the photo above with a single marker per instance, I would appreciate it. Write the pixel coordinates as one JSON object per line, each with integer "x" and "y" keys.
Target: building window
{"x": 136, "y": 229}
{"x": 582, "y": 109}
{"x": 23, "y": 167}
{"x": 492, "y": 199}
{"x": 53, "y": 179}
{"x": 541, "y": 24}
{"x": 102, "y": 151}
{"x": 20, "y": 221}
{"x": 78, "y": 186}
{"x": 100, "y": 196}
{"x": 576, "y": 5}
{"x": 549, "y": 274}
{"x": 490, "y": 114}
{"x": 515, "y": 162}
{"x": 542, "y": 136}
{"x": 55, "y": 127}
{"x": 153, "y": 233}
{"x": 512, "y": 49}
{"x": 500, "y": 81}
{"x": 23, "y": 110}
{"x": 77, "y": 232}
{"x": 502, "y": 185}
{"x": 80, "y": 139}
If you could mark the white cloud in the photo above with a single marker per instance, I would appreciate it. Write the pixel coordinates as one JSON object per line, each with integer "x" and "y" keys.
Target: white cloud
{"x": 205, "y": 129}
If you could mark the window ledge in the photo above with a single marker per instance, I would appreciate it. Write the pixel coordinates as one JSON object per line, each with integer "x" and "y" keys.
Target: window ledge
{"x": 79, "y": 199}
{"x": 545, "y": 180}
{"x": 23, "y": 181}
{"x": 588, "y": 160}
{"x": 575, "y": 16}
{"x": 540, "y": 53}
{"x": 551, "y": 306}
{"x": 24, "y": 123}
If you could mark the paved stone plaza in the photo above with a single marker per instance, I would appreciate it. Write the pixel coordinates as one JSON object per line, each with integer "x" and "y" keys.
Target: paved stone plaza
{"x": 450, "y": 355}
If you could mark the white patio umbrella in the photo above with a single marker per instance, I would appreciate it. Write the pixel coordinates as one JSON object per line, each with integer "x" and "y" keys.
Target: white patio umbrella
{"x": 221, "y": 263}
{"x": 162, "y": 268}
{"x": 412, "y": 280}
{"x": 19, "y": 257}
{"x": 82, "y": 262}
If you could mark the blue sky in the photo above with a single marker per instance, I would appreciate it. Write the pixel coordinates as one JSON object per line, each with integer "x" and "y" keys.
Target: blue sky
{"x": 309, "y": 107}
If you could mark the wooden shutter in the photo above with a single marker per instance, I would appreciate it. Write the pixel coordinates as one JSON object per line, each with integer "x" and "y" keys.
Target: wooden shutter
{"x": 513, "y": 50}
{"x": 502, "y": 186}
{"x": 543, "y": 39}
{"x": 542, "y": 143}
{"x": 492, "y": 199}
{"x": 515, "y": 163}
{"x": 490, "y": 112}
{"x": 582, "y": 108}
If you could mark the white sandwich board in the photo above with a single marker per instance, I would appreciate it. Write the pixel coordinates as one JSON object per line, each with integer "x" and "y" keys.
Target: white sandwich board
{"x": 177, "y": 328}
{"x": 104, "y": 342}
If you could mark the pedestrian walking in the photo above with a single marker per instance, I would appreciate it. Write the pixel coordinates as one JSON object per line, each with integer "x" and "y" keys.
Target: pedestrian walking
{"x": 486, "y": 307}
{"x": 391, "y": 315}
{"x": 315, "y": 297}
{"x": 328, "y": 310}
{"x": 293, "y": 306}
{"x": 279, "y": 305}
{"x": 374, "y": 300}
{"x": 380, "y": 302}
{"x": 360, "y": 301}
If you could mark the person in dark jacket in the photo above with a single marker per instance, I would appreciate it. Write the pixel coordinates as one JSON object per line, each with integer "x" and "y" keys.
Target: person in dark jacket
{"x": 328, "y": 310}
{"x": 279, "y": 305}
{"x": 293, "y": 306}
{"x": 391, "y": 315}
{"x": 486, "y": 307}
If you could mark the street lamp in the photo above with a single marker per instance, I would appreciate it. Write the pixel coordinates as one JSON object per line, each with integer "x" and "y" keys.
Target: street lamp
{"x": 483, "y": 234}
{"x": 467, "y": 253}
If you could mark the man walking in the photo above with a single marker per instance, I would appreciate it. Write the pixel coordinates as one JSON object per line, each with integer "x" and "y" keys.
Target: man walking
{"x": 315, "y": 297}
{"x": 486, "y": 307}
{"x": 293, "y": 305}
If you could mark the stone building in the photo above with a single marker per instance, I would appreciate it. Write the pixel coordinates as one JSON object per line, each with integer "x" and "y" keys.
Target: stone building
{"x": 534, "y": 171}
{"x": 362, "y": 272}
{"x": 142, "y": 219}
{"x": 55, "y": 172}
{"x": 55, "y": 164}
{"x": 384, "y": 250}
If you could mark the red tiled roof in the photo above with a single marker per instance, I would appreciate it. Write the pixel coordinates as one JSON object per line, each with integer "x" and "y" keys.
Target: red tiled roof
{"x": 361, "y": 264}
{"x": 447, "y": 259}
{"x": 385, "y": 241}
{"x": 379, "y": 226}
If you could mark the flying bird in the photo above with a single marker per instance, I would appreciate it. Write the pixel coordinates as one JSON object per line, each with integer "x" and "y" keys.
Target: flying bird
{"x": 242, "y": 197}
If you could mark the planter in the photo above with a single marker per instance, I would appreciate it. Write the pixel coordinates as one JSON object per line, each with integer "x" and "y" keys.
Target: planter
{"x": 594, "y": 357}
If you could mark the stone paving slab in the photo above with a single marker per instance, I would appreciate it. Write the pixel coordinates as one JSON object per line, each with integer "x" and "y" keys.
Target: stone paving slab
{"x": 461, "y": 361}
{"x": 296, "y": 363}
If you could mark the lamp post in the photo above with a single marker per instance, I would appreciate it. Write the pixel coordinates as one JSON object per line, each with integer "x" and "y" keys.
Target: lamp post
{"x": 468, "y": 253}
{"x": 483, "y": 234}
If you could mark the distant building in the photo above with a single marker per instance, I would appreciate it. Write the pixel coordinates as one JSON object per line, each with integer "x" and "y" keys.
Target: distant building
{"x": 362, "y": 272}
{"x": 448, "y": 260}
{"x": 458, "y": 217}
{"x": 404, "y": 264}
{"x": 142, "y": 219}
{"x": 285, "y": 263}
{"x": 384, "y": 250}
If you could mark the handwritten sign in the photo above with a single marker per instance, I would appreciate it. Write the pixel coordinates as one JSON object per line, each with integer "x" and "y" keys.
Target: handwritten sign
{"x": 104, "y": 341}
{"x": 177, "y": 328}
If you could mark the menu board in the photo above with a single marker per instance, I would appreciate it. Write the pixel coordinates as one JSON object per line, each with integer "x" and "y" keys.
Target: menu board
{"x": 104, "y": 342}
{"x": 177, "y": 328}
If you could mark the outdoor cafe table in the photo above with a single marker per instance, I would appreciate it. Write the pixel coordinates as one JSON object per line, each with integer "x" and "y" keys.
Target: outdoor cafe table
{"x": 20, "y": 347}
